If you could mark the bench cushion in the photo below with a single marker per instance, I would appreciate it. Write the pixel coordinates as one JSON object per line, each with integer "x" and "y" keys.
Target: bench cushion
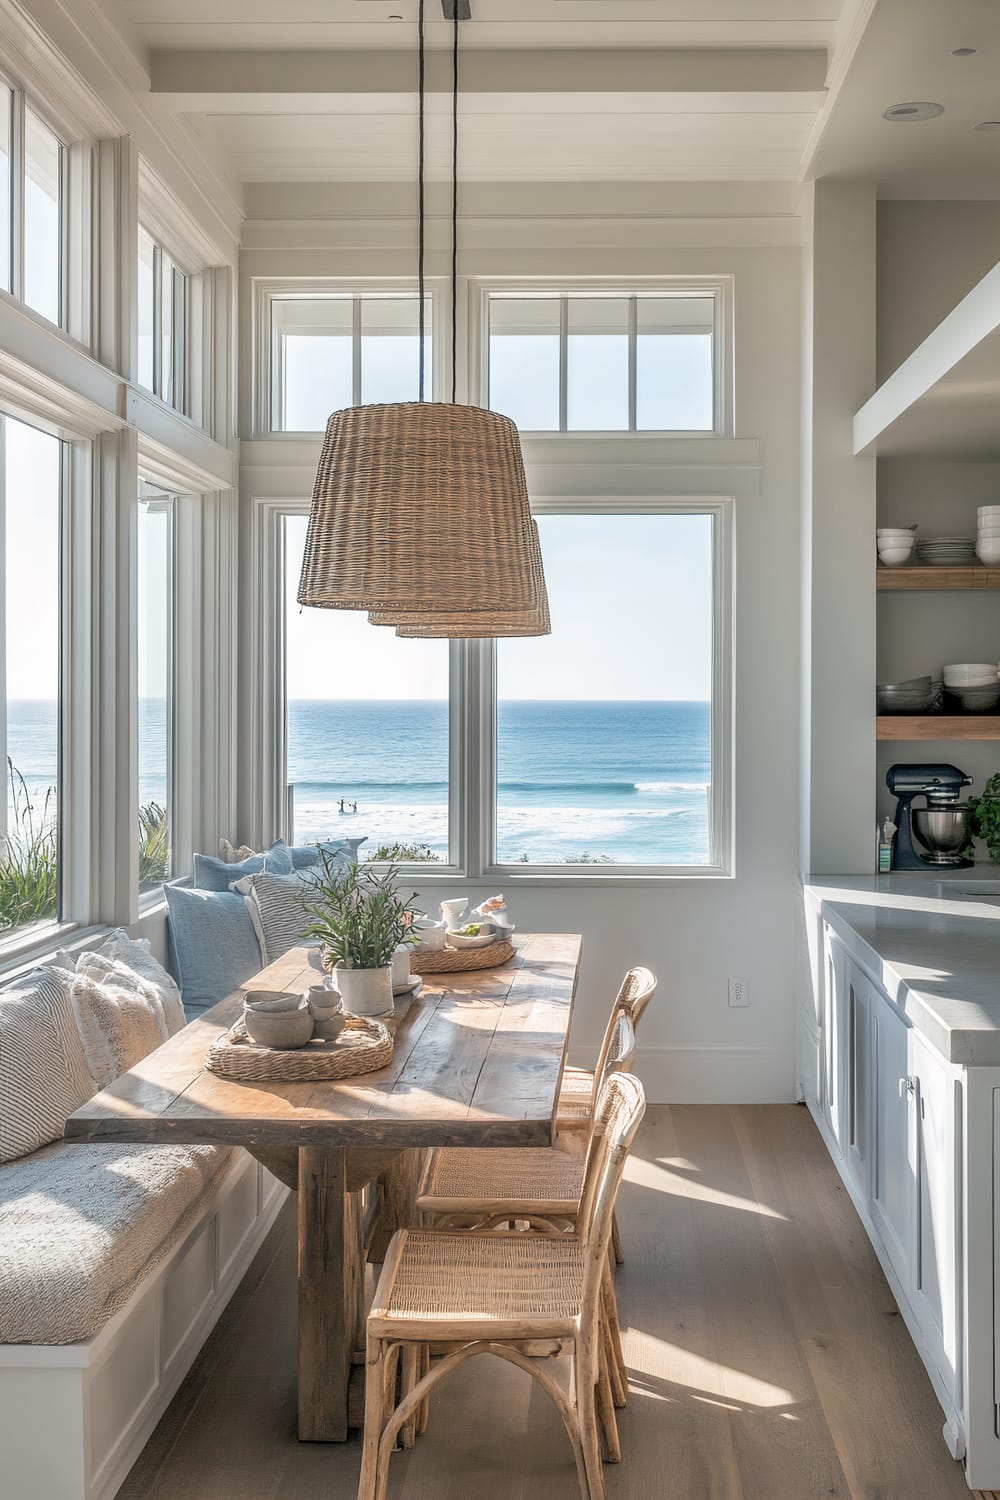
{"x": 82, "y": 1225}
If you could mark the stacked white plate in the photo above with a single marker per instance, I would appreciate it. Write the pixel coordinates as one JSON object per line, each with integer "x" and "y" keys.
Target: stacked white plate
{"x": 988, "y": 534}
{"x": 947, "y": 551}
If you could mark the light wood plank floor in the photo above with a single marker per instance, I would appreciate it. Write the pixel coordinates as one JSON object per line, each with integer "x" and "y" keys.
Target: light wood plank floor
{"x": 768, "y": 1358}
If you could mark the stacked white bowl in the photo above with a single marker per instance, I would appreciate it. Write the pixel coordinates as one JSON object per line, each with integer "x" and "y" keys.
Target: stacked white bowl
{"x": 988, "y": 534}
{"x": 976, "y": 684}
{"x": 894, "y": 545}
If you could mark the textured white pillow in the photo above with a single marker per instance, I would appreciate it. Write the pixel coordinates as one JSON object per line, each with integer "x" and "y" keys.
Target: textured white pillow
{"x": 137, "y": 954}
{"x": 43, "y": 1067}
{"x": 118, "y": 1024}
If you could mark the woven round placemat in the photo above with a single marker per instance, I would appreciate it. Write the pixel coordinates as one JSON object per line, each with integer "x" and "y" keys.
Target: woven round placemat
{"x": 362, "y": 1046}
{"x": 461, "y": 960}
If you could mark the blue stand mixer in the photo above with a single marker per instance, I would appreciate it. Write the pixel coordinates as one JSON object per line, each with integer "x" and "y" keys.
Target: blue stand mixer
{"x": 941, "y": 827}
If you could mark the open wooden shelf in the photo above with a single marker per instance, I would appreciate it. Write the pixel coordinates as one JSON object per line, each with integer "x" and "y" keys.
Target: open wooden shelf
{"x": 938, "y": 727}
{"x": 904, "y": 579}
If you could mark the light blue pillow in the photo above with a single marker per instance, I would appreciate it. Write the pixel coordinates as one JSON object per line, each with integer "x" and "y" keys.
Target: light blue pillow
{"x": 304, "y": 856}
{"x": 214, "y": 944}
{"x": 214, "y": 874}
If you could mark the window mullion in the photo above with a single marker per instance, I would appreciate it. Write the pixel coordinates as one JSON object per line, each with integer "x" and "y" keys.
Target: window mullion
{"x": 356, "y": 349}
{"x": 563, "y": 363}
{"x": 633, "y": 334}
{"x": 157, "y": 321}
{"x": 17, "y": 171}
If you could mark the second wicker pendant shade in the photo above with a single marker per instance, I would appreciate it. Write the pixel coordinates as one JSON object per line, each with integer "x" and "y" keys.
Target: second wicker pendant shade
{"x": 420, "y": 509}
{"x": 533, "y": 620}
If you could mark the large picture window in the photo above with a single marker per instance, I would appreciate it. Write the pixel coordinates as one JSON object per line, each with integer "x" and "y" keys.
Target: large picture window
{"x": 367, "y": 728}
{"x": 154, "y": 596}
{"x": 604, "y": 727}
{"x": 338, "y": 350}
{"x": 30, "y": 525}
{"x": 603, "y": 362}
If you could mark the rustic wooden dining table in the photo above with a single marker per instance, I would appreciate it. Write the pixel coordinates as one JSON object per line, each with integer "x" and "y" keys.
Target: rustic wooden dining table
{"x": 478, "y": 1061}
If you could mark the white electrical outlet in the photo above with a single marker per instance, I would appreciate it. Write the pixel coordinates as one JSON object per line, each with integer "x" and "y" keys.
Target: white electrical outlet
{"x": 738, "y": 993}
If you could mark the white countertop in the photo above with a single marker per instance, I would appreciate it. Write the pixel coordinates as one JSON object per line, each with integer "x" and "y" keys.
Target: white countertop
{"x": 933, "y": 942}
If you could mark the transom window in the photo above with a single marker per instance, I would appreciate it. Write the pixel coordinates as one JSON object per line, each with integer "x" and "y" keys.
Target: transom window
{"x": 338, "y": 350}
{"x": 33, "y": 187}
{"x": 163, "y": 323}
{"x": 604, "y": 362}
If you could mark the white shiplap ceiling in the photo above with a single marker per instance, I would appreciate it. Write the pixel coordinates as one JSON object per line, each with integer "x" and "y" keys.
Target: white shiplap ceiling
{"x": 553, "y": 90}
{"x": 365, "y": 24}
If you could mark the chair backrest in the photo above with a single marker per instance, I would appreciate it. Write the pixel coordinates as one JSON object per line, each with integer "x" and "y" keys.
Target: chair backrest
{"x": 634, "y": 994}
{"x": 620, "y": 1108}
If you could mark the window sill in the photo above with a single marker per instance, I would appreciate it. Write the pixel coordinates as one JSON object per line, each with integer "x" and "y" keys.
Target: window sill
{"x": 26, "y": 951}
{"x": 599, "y": 876}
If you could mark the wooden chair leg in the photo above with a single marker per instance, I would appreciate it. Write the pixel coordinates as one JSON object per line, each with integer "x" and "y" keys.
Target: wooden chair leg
{"x": 611, "y": 1451}
{"x": 374, "y": 1417}
{"x": 423, "y": 1414}
{"x": 609, "y": 1304}
{"x": 585, "y": 1379}
{"x": 616, "y": 1241}
{"x": 410, "y": 1375}
{"x": 614, "y": 1373}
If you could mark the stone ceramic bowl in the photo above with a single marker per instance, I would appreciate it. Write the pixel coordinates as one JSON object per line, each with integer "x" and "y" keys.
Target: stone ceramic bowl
{"x": 271, "y": 1023}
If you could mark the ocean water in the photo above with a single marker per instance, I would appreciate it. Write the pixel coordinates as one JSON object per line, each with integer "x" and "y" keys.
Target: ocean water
{"x": 626, "y": 782}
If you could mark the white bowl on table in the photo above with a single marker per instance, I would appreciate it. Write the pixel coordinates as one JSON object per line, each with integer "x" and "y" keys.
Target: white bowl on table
{"x": 461, "y": 940}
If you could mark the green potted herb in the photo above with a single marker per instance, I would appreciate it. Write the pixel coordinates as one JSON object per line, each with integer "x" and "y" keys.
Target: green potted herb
{"x": 360, "y": 919}
{"x": 984, "y": 817}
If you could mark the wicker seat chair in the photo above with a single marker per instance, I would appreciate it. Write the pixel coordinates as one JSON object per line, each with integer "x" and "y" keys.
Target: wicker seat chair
{"x": 575, "y": 1110}
{"x": 525, "y": 1298}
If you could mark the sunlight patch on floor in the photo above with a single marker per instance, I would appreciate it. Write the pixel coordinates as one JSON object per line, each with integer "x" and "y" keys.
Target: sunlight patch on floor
{"x": 661, "y": 1179}
{"x": 706, "y": 1378}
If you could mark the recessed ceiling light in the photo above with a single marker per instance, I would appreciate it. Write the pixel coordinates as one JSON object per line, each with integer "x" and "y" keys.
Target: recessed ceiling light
{"x": 920, "y": 109}
{"x": 963, "y": 52}
{"x": 987, "y": 125}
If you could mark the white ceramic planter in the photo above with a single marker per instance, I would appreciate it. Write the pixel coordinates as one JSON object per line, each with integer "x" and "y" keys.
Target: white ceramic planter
{"x": 365, "y": 992}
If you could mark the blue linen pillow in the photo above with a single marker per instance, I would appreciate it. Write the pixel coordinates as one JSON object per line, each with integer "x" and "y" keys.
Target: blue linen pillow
{"x": 304, "y": 856}
{"x": 214, "y": 874}
{"x": 214, "y": 944}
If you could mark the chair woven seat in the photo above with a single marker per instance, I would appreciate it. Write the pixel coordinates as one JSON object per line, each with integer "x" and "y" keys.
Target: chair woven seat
{"x": 479, "y": 1286}
{"x": 461, "y": 1179}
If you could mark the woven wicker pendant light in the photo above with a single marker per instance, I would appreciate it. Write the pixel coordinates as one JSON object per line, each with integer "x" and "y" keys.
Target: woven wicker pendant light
{"x": 420, "y": 510}
{"x": 531, "y": 619}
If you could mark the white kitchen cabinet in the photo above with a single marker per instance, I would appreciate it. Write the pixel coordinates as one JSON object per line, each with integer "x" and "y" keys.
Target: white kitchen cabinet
{"x": 892, "y": 1187}
{"x": 858, "y": 1091}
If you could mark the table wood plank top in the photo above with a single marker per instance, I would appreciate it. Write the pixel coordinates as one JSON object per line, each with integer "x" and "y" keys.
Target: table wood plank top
{"x": 478, "y": 1062}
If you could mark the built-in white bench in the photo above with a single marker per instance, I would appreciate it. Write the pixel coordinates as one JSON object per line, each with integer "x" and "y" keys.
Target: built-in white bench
{"x": 74, "y": 1417}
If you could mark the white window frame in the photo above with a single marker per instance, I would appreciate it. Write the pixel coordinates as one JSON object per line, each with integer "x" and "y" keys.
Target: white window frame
{"x": 180, "y": 327}
{"x": 472, "y": 707}
{"x": 150, "y": 895}
{"x": 267, "y": 373}
{"x": 21, "y": 102}
{"x": 718, "y": 288}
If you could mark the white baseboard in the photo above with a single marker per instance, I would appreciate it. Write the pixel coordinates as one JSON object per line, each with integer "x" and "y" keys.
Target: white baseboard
{"x": 717, "y": 1075}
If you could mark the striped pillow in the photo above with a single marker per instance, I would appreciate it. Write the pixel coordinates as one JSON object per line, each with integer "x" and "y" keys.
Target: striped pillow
{"x": 43, "y": 1067}
{"x": 277, "y": 907}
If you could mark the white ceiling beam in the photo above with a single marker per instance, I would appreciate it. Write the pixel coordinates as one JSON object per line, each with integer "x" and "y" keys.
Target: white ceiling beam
{"x": 225, "y": 81}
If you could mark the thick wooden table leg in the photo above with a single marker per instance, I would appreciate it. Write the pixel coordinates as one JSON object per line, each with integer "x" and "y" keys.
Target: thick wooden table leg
{"x": 331, "y": 1268}
{"x": 399, "y": 1190}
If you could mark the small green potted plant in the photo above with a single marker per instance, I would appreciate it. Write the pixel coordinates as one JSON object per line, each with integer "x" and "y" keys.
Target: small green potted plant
{"x": 360, "y": 919}
{"x": 984, "y": 817}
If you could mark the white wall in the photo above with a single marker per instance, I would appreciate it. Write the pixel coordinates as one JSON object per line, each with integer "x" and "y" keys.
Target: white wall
{"x": 694, "y": 933}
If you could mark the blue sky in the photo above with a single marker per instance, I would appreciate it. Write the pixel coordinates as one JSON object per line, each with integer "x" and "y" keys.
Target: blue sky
{"x": 631, "y": 612}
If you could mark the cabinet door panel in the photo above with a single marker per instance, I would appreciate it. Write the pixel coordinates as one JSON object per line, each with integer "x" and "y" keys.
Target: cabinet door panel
{"x": 834, "y": 1032}
{"x": 936, "y": 1287}
{"x": 893, "y": 1178}
{"x": 858, "y": 1094}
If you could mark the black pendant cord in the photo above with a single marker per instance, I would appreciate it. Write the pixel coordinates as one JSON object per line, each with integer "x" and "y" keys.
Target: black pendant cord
{"x": 454, "y": 207}
{"x": 420, "y": 191}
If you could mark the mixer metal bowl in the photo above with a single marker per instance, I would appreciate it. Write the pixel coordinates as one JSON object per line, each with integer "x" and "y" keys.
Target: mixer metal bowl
{"x": 944, "y": 831}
